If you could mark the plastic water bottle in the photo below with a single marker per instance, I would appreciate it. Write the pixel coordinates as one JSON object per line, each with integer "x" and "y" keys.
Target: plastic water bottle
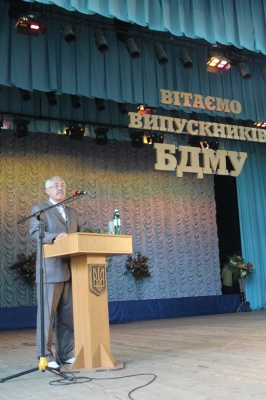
{"x": 116, "y": 222}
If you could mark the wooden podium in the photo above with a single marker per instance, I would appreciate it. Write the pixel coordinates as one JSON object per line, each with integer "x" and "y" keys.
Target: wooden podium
{"x": 88, "y": 252}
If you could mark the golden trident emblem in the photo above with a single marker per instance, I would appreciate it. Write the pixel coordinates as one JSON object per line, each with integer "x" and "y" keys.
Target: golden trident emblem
{"x": 97, "y": 279}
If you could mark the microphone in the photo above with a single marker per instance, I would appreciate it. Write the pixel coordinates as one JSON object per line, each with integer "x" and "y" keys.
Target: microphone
{"x": 78, "y": 192}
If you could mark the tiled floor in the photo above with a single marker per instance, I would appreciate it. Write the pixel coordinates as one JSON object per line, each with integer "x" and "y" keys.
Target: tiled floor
{"x": 216, "y": 357}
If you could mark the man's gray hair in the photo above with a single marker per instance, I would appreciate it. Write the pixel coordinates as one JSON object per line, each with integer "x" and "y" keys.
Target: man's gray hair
{"x": 48, "y": 182}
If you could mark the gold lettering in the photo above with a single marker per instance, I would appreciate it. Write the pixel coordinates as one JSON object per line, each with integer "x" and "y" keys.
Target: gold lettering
{"x": 232, "y": 132}
{"x": 164, "y": 159}
{"x": 166, "y": 123}
{"x": 180, "y": 124}
{"x": 189, "y": 161}
{"x": 198, "y": 103}
{"x": 190, "y": 129}
{"x": 150, "y": 122}
{"x": 261, "y": 135}
{"x": 166, "y": 96}
{"x": 212, "y": 160}
{"x": 235, "y": 107}
{"x": 209, "y": 103}
{"x": 222, "y": 105}
{"x": 244, "y": 134}
{"x": 237, "y": 160}
{"x": 187, "y": 97}
{"x": 135, "y": 120}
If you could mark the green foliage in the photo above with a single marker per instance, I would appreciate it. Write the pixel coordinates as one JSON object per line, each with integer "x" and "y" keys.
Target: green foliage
{"x": 239, "y": 267}
{"x": 137, "y": 266}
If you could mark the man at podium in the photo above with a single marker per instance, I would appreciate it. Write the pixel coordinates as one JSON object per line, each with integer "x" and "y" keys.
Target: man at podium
{"x": 57, "y": 288}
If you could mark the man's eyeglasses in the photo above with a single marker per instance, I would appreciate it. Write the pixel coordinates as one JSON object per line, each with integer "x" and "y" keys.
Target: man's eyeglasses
{"x": 57, "y": 185}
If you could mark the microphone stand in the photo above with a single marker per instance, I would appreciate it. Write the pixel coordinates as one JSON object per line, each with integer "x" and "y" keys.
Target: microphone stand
{"x": 43, "y": 364}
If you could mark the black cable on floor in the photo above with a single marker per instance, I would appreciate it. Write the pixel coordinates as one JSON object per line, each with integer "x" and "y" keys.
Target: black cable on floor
{"x": 84, "y": 379}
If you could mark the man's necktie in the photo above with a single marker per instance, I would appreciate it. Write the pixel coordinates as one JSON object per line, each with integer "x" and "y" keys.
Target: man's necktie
{"x": 62, "y": 211}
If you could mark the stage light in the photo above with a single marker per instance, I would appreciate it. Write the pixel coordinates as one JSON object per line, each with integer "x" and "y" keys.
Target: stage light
{"x": 122, "y": 108}
{"x": 30, "y": 25}
{"x": 101, "y": 136}
{"x": 51, "y": 98}
{"x": 218, "y": 64}
{"x": 1, "y": 123}
{"x": 197, "y": 141}
{"x": 194, "y": 141}
{"x": 25, "y": 95}
{"x": 144, "y": 109}
{"x": 160, "y": 54}
{"x": 21, "y": 129}
{"x": 75, "y": 100}
{"x": 155, "y": 138}
{"x": 68, "y": 33}
{"x": 244, "y": 71}
{"x": 137, "y": 139}
{"x": 204, "y": 145}
{"x": 99, "y": 104}
{"x": 123, "y": 35}
{"x": 185, "y": 59}
{"x": 100, "y": 40}
{"x": 76, "y": 132}
{"x": 130, "y": 44}
{"x": 260, "y": 124}
{"x": 132, "y": 48}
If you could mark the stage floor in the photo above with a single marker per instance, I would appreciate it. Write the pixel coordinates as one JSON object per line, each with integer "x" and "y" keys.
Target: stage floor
{"x": 193, "y": 358}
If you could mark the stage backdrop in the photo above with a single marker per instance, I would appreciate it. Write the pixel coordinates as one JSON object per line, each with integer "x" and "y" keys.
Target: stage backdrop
{"x": 172, "y": 220}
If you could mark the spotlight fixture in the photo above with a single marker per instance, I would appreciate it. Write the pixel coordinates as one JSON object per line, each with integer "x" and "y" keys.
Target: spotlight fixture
{"x": 137, "y": 139}
{"x": 155, "y": 138}
{"x": 144, "y": 109}
{"x": 194, "y": 141}
{"x": 160, "y": 54}
{"x": 68, "y": 33}
{"x": 25, "y": 95}
{"x": 123, "y": 35}
{"x": 30, "y": 25}
{"x": 213, "y": 144}
{"x": 204, "y": 145}
{"x": 122, "y": 108}
{"x": 197, "y": 141}
{"x": 260, "y": 124}
{"x": 101, "y": 136}
{"x": 1, "y": 123}
{"x": 185, "y": 59}
{"x": 132, "y": 48}
{"x": 51, "y": 98}
{"x": 76, "y": 132}
{"x": 26, "y": 23}
{"x": 130, "y": 44}
{"x": 244, "y": 71}
{"x": 100, "y": 40}
{"x": 218, "y": 64}
{"x": 99, "y": 104}
{"x": 75, "y": 100}
{"x": 21, "y": 129}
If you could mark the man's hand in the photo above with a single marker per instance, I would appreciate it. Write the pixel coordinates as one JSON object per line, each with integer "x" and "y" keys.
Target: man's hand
{"x": 63, "y": 234}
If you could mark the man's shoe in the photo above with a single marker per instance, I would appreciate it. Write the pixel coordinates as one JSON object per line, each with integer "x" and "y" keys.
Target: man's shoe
{"x": 53, "y": 365}
{"x": 70, "y": 360}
